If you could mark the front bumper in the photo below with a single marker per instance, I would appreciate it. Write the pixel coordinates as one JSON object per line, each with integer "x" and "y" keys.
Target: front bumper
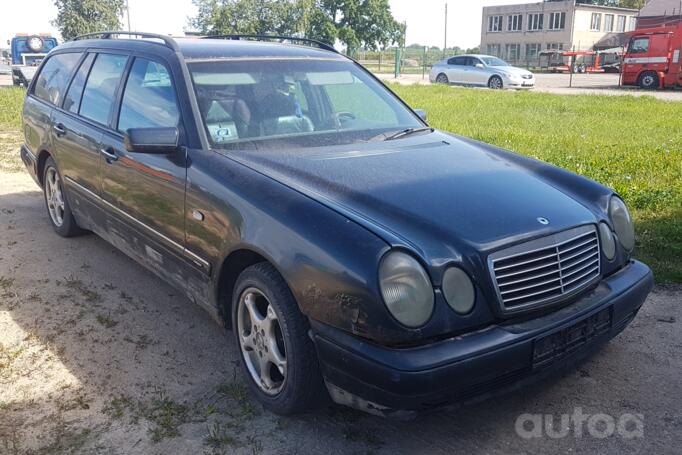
{"x": 396, "y": 381}
{"x": 518, "y": 82}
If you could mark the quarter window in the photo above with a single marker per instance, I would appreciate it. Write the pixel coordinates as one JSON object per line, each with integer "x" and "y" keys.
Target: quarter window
{"x": 595, "y": 24}
{"x": 149, "y": 98}
{"x": 557, "y": 21}
{"x": 54, "y": 76}
{"x": 98, "y": 96}
{"x": 535, "y": 21}
{"x": 72, "y": 101}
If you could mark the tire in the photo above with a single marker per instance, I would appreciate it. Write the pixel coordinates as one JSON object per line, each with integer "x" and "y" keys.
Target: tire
{"x": 442, "y": 78}
{"x": 57, "y": 204}
{"x": 280, "y": 333}
{"x": 495, "y": 82}
{"x": 649, "y": 81}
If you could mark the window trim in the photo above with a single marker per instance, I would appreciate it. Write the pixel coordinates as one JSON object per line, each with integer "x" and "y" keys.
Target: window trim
{"x": 73, "y": 77}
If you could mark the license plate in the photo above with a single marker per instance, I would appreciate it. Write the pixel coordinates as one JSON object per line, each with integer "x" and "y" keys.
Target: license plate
{"x": 553, "y": 347}
{"x": 526, "y": 84}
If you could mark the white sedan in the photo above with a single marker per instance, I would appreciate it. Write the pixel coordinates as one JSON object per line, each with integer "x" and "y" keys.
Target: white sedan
{"x": 483, "y": 70}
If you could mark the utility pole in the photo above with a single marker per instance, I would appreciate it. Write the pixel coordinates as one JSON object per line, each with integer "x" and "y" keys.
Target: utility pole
{"x": 128, "y": 14}
{"x": 445, "y": 41}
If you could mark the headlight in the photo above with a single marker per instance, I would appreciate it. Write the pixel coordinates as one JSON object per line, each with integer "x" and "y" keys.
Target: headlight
{"x": 622, "y": 223}
{"x": 608, "y": 243}
{"x": 406, "y": 289}
{"x": 458, "y": 290}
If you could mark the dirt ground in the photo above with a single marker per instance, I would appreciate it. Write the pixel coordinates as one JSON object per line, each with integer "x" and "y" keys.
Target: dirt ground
{"x": 582, "y": 84}
{"x": 99, "y": 356}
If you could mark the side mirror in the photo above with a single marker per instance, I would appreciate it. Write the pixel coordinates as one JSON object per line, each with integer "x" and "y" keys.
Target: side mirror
{"x": 151, "y": 140}
{"x": 479, "y": 65}
{"x": 421, "y": 113}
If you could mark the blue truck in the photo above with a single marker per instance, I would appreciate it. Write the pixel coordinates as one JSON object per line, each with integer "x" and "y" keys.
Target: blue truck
{"x": 26, "y": 52}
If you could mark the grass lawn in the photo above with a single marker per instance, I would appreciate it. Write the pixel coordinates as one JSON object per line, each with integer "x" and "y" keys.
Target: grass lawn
{"x": 633, "y": 145}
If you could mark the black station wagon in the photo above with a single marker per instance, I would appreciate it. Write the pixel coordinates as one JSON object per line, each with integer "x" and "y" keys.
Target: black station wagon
{"x": 356, "y": 252}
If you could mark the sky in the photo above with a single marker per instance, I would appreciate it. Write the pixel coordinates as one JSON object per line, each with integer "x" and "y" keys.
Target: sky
{"x": 425, "y": 22}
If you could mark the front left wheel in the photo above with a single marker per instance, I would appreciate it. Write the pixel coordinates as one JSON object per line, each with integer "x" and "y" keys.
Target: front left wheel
{"x": 58, "y": 208}
{"x": 277, "y": 355}
{"x": 495, "y": 82}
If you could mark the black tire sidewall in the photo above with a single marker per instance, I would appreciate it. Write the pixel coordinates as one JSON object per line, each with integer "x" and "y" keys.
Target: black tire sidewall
{"x": 442, "y": 80}
{"x": 302, "y": 367}
{"x": 654, "y": 84}
{"x": 490, "y": 82}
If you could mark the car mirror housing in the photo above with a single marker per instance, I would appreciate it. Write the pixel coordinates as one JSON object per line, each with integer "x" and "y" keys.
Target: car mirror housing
{"x": 421, "y": 113}
{"x": 151, "y": 140}
{"x": 479, "y": 65}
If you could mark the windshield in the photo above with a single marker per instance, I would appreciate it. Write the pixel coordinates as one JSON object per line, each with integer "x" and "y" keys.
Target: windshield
{"x": 303, "y": 102}
{"x": 494, "y": 61}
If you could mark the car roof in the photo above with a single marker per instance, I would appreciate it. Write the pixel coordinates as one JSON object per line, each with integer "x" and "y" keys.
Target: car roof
{"x": 201, "y": 49}
{"x": 474, "y": 55}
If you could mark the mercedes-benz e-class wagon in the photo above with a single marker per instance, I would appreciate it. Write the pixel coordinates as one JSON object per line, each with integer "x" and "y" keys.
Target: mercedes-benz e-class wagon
{"x": 355, "y": 252}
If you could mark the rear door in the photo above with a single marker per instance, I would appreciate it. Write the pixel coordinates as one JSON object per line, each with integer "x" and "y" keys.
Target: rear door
{"x": 457, "y": 70}
{"x": 147, "y": 190}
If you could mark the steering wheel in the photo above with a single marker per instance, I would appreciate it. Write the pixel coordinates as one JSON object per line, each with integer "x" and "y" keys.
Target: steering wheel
{"x": 345, "y": 116}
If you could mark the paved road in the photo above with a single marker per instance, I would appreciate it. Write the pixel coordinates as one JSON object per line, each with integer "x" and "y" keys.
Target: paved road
{"x": 102, "y": 357}
{"x": 592, "y": 84}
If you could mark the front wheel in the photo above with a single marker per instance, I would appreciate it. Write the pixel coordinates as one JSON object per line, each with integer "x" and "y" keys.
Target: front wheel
{"x": 649, "y": 81}
{"x": 277, "y": 355}
{"x": 495, "y": 82}
{"x": 58, "y": 208}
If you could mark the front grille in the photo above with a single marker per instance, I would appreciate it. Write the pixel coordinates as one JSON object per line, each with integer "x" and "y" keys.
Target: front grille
{"x": 546, "y": 270}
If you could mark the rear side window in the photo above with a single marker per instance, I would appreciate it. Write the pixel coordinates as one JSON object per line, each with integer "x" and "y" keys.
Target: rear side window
{"x": 457, "y": 61}
{"x": 72, "y": 101}
{"x": 98, "y": 96}
{"x": 149, "y": 98}
{"x": 639, "y": 46}
{"x": 54, "y": 76}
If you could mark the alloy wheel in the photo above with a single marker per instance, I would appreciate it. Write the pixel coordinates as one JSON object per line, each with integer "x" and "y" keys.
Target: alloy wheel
{"x": 54, "y": 196}
{"x": 261, "y": 341}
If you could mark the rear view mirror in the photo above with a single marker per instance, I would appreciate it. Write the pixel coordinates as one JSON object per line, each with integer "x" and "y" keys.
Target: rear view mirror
{"x": 151, "y": 140}
{"x": 421, "y": 113}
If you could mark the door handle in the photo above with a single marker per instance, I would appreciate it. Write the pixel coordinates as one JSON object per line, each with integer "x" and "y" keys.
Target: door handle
{"x": 109, "y": 154}
{"x": 59, "y": 129}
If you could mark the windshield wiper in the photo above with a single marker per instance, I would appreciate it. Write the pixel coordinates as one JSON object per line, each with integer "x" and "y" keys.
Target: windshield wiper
{"x": 407, "y": 132}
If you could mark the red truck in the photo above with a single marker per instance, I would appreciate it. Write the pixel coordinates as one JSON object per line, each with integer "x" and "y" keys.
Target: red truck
{"x": 653, "y": 57}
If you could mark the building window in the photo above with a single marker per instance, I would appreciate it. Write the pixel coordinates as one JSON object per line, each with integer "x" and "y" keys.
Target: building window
{"x": 620, "y": 26}
{"x": 595, "y": 25}
{"x": 632, "y": 24}
{"x": 494, "y": 49}
{"x": 555, "y": 46}
{"x": 513, "y": 51}
{"x": 532, "y": 50}
{"x": 494, "y": 23}
{"x": 608, "y": 22}
{"x": 557, "y": 21}
{"x": 535, "y": 21}
{"x": 515, "y": 23}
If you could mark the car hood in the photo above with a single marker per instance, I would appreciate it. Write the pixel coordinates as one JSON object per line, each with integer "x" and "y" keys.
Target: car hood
{"x": 431, "y": 191}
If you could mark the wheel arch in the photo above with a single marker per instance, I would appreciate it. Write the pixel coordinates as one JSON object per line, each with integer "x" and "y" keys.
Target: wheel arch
{"x": 40, "y": 165}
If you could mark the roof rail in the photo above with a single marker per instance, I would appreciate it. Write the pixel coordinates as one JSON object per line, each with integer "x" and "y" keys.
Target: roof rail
{"x": 167, "y": 40}
{"x": 320, "y": 44}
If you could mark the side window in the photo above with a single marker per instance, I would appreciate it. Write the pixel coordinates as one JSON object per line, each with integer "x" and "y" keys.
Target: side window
{"x": 472, "y": 61}
{"x": 639, "y": 46}
{"x": 461, "y": 61}
{"x": 54, "y": 76}
{"x": 72, "y": 101}
{"x": 98, "y": 96}
{"x": 149, "y": 98}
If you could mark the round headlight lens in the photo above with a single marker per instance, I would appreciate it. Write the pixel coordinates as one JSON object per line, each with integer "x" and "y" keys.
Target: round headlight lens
{"x": 622, "y": 223}
{"x": 608, "y": 243}
{"x": 458, "y": 290}
{"x": 406, "y": 289}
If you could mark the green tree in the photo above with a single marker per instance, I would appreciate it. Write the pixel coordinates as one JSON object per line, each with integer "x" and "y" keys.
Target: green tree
{"x": 261, "y": 17}
{"x": 76, "y": 17}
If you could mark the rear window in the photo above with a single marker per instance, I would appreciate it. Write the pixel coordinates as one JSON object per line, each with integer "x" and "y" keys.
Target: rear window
{"x": 54, "y": 76}
{"x": 98, "y": 96}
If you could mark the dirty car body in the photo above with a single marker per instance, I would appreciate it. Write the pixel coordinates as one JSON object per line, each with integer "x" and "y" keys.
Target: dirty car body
{"x": 428, "y": 268}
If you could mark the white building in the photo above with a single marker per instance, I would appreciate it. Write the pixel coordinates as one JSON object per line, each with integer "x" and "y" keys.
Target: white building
{"x": 519, "y": 32}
